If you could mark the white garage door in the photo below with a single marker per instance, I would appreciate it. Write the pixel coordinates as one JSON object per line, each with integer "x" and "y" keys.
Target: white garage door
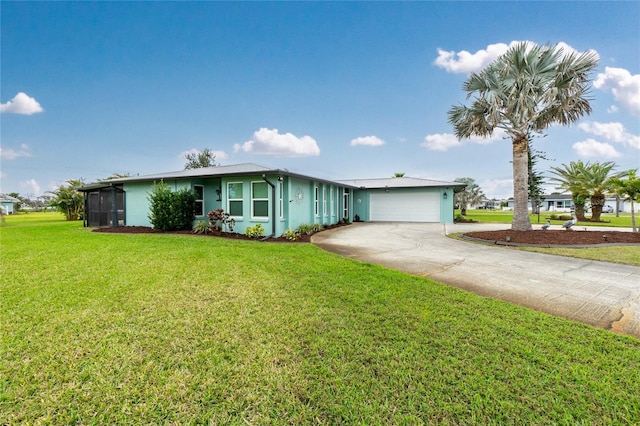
{"x": 405, "y": 207}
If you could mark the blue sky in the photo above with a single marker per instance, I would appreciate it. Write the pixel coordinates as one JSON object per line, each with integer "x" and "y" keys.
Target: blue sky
{"x": 334, "y": 90}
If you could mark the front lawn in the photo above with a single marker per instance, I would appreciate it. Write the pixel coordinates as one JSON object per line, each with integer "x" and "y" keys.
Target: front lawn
{"x": 506, "y": 216}
{"x": 163, "y": 329}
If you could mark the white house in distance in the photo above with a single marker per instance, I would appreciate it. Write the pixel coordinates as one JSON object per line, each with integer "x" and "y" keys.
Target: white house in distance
{"x": 564, "y": 203}
{"x": 7, "y": 203}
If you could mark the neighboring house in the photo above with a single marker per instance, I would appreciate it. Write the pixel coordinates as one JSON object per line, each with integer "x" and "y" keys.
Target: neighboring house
{"x": 564, "y": 203}
{"x": 277, "y": 198}
{"x": 557, "y": 203}
{"x": 487, "y": 204}
{"x": 7, "y": 203}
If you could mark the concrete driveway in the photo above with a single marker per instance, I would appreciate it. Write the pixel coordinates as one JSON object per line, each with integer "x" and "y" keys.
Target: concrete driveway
{"x": 601, "y": 294}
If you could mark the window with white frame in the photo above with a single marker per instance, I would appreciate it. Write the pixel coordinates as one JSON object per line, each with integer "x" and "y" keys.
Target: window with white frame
{"x": 345, "y": 201}
{"x": 324, "y": 200}
{"x": 281, "y": 198}
{"x": 198, "y": 190}
{"x": 332, "y": 206}
{"x": 316, "y": 200}
{"x": 234, "y": 199}
{"x": 259, "y": 199}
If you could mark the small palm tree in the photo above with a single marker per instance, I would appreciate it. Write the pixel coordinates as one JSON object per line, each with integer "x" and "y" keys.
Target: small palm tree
{"x": 68, "y": 200}
{"x": 597, "y": 179}
{"x": 629, "y": 189}
{"x": 522, "y": 92}
{"x": 570, "y": 179}
{"x": 471, "y": 194}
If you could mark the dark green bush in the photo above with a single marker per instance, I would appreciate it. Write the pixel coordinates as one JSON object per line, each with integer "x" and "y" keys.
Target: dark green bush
{"x": 172, "y": 211}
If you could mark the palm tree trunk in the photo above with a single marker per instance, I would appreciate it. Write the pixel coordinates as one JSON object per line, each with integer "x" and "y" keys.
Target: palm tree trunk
{"x": 521, "y": 220}
{"x": 579, "y": 206}
{"x": 597, "y": 201}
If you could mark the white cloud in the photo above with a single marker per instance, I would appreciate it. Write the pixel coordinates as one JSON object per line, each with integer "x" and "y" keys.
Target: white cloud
{"x": 464, "y": 62}
{"x": 593, "y": 148}
{"x": 612, "y": 109}
{"x": 624, "y": 86}
{"x": 612, "y": 132}
{"x": 444, "y": 141}
{"x": 11, "y": 154}
{"x": 30, "y": 187}
{"x": 440, "y": 142}
{"x": 497, "y": 188}
{"x": 21, "y": 104}
{"x": 367, "y": 141}
{"x": 271, "y": 142}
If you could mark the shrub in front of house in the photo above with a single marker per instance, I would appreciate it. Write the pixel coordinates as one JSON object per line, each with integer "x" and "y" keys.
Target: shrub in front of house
{"x": 290, "y": 234}
{"x": 254, "y": 231}
{"x": 172, "y": 210}
{"x": 309, "y": 228}
{"x": 220, "y": 220}
{"x": 201, "y": 227}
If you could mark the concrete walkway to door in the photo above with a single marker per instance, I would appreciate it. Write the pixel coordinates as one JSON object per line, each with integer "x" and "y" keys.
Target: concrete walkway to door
{"x": 601, "y": 294}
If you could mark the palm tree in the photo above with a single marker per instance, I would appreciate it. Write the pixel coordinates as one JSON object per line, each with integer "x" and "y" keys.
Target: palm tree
{"x": 597, "y": 179}
{"x": 570, "y": 179}
{"x": 68, "y": 200}
{"x": 629, "y": 189}
{"x": 471, "y": 194}
{"x": 524, "y": 91}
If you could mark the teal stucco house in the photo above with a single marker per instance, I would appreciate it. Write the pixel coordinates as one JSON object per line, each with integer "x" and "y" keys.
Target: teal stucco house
{"x": 276, "y": 198}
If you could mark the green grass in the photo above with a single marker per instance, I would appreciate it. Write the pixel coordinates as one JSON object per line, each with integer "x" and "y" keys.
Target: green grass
{"x": 628, "y": 255}
{"x": 499, "y": 216}
{"x": 162, "y": 329}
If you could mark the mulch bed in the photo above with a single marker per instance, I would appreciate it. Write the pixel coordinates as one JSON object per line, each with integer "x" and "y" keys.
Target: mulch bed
{"x": 556, "y": 237}
{"x": 535, "y": 237}
{"x": 219, "y": 234}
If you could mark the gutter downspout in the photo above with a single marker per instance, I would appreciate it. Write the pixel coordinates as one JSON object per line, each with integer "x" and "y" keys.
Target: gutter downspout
{"x": 273, "y": 208}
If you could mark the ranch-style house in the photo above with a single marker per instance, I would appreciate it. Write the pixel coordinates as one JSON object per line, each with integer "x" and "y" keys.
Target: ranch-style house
{"x": 277, "y": 198}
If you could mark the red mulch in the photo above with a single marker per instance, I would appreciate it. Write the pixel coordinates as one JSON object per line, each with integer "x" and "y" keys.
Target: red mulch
{"x": 535, "y": 237}
{"x": 219, "y": 234}
{"x": 558, "y": 237}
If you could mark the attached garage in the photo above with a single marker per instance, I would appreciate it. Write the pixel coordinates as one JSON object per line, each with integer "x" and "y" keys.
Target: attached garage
{"x": 405, "y": 206}
{"x": 403, "y": 199}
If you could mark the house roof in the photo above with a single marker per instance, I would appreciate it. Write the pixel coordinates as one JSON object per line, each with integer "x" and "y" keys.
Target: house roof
{"x": 8, "y": 199}
{"x": 557, "y": 197}
{"x": 206, "y": 172}
{"x": 400, "y": 182}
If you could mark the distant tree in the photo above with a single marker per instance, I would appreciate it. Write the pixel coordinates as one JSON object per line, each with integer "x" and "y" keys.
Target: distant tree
{"x": 118, "y": 176}
{"x": 200, "y": 159}
{"x": 470, "y": 195}
{"x": 68, "y": 200}
{"x": 525, "y": 90}
{"x": 397, "y": 175}
{"x": 629, "y": 190}
{"x": 536, "y": 178}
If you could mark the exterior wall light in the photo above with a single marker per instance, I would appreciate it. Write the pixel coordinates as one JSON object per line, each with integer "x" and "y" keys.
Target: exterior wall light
{"x": 444, "y": 195}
